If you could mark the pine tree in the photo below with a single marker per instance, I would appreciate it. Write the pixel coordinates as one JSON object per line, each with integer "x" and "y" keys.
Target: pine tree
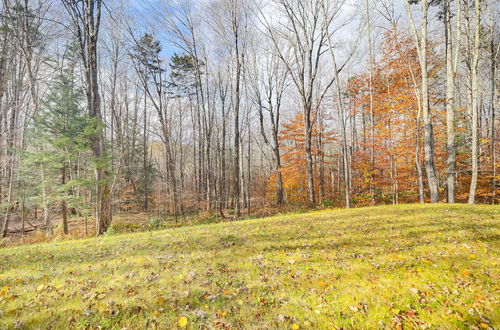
{"x": 60, "y": 135}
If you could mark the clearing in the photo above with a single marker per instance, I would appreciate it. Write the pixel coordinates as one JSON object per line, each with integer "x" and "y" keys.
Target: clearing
{"x": 410, "y": 266}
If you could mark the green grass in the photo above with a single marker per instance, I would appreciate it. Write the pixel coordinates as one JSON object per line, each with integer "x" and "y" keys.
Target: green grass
{"x": 410, "y": 266}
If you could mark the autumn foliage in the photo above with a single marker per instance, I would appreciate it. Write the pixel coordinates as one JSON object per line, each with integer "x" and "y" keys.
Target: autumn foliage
{"x": 391, "y": 176}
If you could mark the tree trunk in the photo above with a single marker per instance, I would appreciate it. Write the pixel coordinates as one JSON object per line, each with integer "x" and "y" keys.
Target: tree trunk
{"x": 450, "y": 95}
{"x": 493, "y": 126}
{"x": 46, "y": 207}
{"x": 308, "y": 140}
{"x": 372, "y": 117}
{"x": 421, "y": 45}
{"x": 145, "y": 157}
{"x": 64, "y": 208}
{"x": 474, "y": 104}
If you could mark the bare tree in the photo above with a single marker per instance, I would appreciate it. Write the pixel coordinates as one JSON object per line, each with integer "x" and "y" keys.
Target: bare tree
{"x": 422, "y": 49}
{"x": 452, "y": 53}
{"x": 301, "y": 47}
{"x": 475, "y": 101}
{"x": 86, "y": 19}
{"x": 269, "y": 85}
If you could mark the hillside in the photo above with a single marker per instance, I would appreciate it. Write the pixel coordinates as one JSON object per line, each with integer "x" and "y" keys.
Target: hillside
{"x": 413, "y": 266}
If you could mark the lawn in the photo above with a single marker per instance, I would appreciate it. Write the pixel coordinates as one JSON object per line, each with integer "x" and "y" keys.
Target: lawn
{"x": 407, "y": 266}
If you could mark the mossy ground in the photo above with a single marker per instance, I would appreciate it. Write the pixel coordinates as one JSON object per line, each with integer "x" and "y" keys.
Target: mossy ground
{"x": 409, "y": 266}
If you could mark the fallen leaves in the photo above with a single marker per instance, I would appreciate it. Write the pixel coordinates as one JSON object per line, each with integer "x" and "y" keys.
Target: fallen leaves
{"x": 190, "y": 277}
{"x": 4, "y": 290}
{"x": 466, "y": 272}
{"x": 395, "y": 311}
{"x": 321, "y": 284}
{"x": 183, "y": 321}
{"x": 274, "y": 281}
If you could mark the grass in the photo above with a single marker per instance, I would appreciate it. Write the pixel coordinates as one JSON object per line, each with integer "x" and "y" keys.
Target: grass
{"x": 408, "y": 266}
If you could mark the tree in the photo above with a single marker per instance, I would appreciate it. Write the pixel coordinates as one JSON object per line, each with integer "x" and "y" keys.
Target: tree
{"x": 150, "y": 69}
{"x": 422, "y": 50}
{"x": 269, "y": 84}
{"x": 86, "y": 18}
{"x": 60, "y": 134}
{"x": 302, "y": 50}
{"x": 452, "y": 53}
{"x": 475, "y": 101}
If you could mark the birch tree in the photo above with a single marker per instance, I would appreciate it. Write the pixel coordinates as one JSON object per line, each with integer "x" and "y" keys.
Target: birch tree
{"x": 422, "y": 49}
{"x": 475, "y": 101}
{"x": 452, "y": 53}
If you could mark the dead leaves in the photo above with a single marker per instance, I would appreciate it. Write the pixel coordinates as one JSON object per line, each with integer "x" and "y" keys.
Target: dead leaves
{"x": 4, "y": 290}
{"x": 190, "y": 277}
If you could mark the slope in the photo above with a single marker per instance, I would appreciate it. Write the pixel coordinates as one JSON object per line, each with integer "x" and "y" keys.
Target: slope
{"x": 412, "y": 266}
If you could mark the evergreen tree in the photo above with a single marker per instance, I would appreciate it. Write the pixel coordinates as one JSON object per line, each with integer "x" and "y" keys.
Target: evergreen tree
{"x": 60, "y": 136}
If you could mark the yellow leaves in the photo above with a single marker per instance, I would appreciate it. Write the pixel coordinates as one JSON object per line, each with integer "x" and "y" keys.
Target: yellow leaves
{"x": 484, "y": 325}
{"x": 295, "y": 326}
{"x": 472, "y": 256}
{"x": 395, "y": 311}
{"x": 183, "y": 321}
{"x": 40, "y": 288}
{"x": 160, "y": 300}
{"x": 221, "y": 314}
{"x": 466, "y": 272}
{"x": 240, "y": 302}
{"x": 4, "y": 290}
{"x": 156, "y": 312}
{"x": 321, "y": 283}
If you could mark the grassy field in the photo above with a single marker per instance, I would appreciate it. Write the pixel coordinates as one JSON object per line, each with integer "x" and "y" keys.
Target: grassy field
{"x": 413, "y": 266}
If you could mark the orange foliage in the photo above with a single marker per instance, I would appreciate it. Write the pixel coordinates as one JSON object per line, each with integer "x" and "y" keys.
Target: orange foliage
{"x": 292, "y": 146}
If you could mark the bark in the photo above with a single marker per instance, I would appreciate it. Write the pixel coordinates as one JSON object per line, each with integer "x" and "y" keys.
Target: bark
{"x": 422, "y": 49}
{"x": 46, "y": 207}
{"x": 372, "y": 117}
{"x": 145, "y": 157}
{"x": 474, "y": 103}
{"x": 493, "y": 64}
{"x": 451, "y": 68}
{"x": 236, "y": 161}
{"x": 86, "y": 17}
{"x": 64, "y": 207}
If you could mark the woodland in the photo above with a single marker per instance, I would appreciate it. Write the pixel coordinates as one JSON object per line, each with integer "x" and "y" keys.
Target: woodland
{"x": 173, "y": 110}
{"x": 249, "y": 164}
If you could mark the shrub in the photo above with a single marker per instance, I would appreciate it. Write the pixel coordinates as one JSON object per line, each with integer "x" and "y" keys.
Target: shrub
{"x": 154, "y": 223}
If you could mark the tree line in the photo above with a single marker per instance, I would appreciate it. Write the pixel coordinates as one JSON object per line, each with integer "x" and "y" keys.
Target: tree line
{"x": 230, "y": 107}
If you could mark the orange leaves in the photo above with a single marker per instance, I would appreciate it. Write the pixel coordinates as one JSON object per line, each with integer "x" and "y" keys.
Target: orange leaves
{"x": 293, "y": 158}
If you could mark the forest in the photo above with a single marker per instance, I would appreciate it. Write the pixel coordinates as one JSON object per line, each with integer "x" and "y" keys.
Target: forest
{"x": 224, "y": 109}
{"x": 249, "y": 164}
